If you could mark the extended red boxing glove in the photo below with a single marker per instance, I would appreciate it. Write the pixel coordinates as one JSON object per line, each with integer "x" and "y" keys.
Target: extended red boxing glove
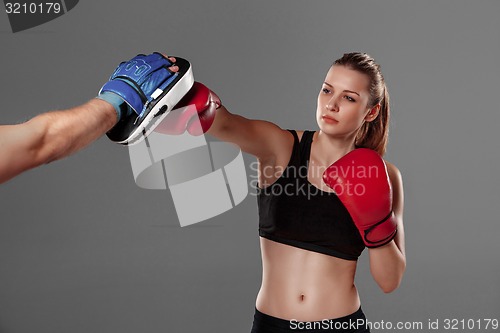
{"x": 194, "y": 113}
{"x": 361, "y": 182}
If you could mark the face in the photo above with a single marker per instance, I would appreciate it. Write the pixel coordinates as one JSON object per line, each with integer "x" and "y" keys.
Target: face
{"x": 343, "y": 102}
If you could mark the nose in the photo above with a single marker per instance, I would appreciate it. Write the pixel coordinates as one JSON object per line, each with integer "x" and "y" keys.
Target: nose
{"x": 332, "y": 104}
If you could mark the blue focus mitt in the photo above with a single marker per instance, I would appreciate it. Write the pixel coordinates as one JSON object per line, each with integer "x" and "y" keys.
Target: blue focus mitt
{"x": 143, "y": 91}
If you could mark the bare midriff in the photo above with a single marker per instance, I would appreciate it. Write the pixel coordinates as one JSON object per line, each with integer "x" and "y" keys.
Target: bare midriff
{"x": 304, "y": 285}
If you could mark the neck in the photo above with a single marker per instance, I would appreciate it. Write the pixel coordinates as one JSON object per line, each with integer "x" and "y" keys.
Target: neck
{"x": 332, "y": 148}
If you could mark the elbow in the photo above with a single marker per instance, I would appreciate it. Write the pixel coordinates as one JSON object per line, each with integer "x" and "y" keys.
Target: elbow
{"x": 45, "y": 152}
{"x": 388, "y": 288}
{"x": 389, "y": 282}
{"x": 50, "y": 145}
{"x": 387, "y": 270}
{"x": 389, "y": 285}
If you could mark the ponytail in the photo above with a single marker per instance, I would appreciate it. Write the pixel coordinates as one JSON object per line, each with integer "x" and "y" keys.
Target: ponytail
{"x": 375, "y": 134}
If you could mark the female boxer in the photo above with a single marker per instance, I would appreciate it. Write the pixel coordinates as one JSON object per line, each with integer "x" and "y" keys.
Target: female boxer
{"x": 322, "y": 197}
{"x": 313, "y": 225}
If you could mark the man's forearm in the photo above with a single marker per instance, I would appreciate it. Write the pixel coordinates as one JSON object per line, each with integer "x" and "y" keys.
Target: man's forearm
{"x": 52, "y": 136}
{"x": 71, "y": 130}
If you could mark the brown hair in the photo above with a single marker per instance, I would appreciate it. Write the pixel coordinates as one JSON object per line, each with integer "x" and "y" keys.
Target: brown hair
{"x": 374, "y": 134}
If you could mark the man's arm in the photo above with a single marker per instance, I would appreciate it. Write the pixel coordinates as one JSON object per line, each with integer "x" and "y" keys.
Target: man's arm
{"x": 52, "y": 136}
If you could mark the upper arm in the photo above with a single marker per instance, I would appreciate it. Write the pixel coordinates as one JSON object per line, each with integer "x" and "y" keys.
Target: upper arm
{"x": 260, "y": 138}
{"x": 397, "y": 201}
{"x": 397, "y": 188}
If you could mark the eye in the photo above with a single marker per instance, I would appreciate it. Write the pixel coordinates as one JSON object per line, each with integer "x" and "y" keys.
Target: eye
{"x": 325, "y": 90}
{"x": 350, "y": 99}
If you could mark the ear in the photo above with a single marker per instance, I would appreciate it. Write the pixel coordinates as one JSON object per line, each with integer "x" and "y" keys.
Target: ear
{"x": 372, "y": 113}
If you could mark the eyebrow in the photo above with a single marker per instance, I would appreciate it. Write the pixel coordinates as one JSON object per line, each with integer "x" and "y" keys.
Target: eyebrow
{"x": 350, "y": 91}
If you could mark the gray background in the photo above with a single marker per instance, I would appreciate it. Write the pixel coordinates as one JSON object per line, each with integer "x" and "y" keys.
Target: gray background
{"x": 83, "y": 249}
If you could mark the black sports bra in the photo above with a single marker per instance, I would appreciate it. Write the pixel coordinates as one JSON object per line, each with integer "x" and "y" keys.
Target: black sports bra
{"x": 292, "y": 211}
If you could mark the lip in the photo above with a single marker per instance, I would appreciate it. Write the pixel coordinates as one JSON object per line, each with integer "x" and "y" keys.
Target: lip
{"x": 329, "y": 120}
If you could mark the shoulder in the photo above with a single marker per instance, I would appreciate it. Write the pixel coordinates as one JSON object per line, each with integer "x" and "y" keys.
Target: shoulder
{"x": 394, "y": 174}
{"x": 397, "y": 187}
{"x": 281, "y": 143}
{"x": 290, "y": 138}
{"x": 287, "y": 135}
{"x": 392, "y": 169}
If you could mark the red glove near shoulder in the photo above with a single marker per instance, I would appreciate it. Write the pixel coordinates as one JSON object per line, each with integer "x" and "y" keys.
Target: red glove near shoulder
{"x": 194, "y": 113}
{"x": 362, "y": 183}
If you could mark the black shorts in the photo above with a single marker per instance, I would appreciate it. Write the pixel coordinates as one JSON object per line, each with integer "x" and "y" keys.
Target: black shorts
{"x": 353, "y": 323}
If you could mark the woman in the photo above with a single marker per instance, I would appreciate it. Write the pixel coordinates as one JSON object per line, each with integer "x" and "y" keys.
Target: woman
{"x": 309, "y": 237}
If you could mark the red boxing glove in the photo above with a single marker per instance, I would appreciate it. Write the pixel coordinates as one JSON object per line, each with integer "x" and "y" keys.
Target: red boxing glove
{"x": 361, "y": 182}
{"x": 195, "y": 112}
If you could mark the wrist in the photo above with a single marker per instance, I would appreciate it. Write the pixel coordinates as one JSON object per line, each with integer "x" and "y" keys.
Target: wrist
{"x": 103, "y": 111}
{"x": 119, "y": 105}
{"x": 380, "y": 233}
